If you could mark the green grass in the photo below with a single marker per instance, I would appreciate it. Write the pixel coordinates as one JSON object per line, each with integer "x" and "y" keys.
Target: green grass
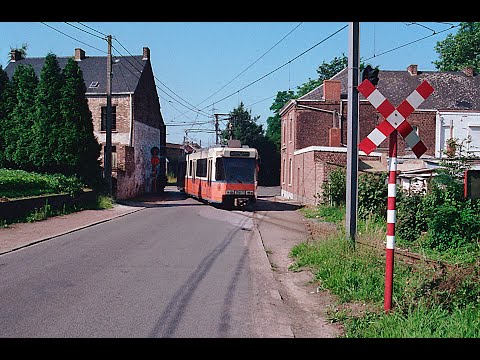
{"x": 16, "y": 184}
{"x": 426, "y": 302}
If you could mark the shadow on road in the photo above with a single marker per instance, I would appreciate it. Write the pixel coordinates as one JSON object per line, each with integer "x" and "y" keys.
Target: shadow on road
{"x": 268, "y": 203}
{"x": 267, "y": 200}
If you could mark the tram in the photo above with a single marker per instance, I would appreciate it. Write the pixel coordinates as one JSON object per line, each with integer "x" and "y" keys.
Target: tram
{"x": 221, "y": 175}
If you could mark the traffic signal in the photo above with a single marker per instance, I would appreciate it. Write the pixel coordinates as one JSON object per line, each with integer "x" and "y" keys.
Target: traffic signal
{"x": 371, "y": 74}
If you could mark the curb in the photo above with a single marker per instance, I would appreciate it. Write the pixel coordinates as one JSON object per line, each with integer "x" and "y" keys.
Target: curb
{"x": 33, "y": 242}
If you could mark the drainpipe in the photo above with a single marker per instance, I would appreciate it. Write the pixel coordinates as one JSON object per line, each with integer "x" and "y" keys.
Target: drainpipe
{"x": 130, "y": 140}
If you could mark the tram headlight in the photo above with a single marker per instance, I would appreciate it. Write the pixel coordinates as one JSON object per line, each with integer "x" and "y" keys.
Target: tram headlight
{"x": 249, "y": 192}
{"x": 230, "y": 192}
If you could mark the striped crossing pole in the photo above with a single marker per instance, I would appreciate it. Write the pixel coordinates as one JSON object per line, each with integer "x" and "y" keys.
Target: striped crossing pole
{"x": 391, "y": 219}
{"x": 394, "y": 122}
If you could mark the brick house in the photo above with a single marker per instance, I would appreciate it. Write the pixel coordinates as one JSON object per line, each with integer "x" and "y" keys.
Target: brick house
{"x": 137, "y": 122}
{"x": 314, "y": 126}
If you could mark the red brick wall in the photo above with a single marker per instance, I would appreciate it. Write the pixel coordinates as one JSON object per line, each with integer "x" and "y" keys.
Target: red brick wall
{"x": 122, "y": 104}
{"x": 312, "y": 127}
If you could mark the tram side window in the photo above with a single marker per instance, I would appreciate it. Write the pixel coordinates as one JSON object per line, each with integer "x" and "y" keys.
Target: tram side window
{"x": 219, "y": 169}
{"x": 190, "y": 168}
{"x": 201, "y": 168}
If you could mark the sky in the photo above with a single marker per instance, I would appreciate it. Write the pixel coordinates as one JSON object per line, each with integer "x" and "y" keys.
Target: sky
{"x": 206, "y": 68}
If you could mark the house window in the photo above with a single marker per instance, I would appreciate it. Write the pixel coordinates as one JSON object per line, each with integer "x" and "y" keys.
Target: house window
{"x": 290, "y": 170}
{"x": 104, "y": 118}
{"x": 291, "y": 129}
{"x": 284, "y": 171}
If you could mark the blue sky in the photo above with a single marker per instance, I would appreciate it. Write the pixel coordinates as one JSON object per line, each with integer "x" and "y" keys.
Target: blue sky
{"x": 211, "y": 67}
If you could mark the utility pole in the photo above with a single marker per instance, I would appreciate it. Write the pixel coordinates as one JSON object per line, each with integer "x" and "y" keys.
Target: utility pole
{"x": 216, "y": 129}
{"x": 107, "y": 158}
{"x": 352, "y": 131}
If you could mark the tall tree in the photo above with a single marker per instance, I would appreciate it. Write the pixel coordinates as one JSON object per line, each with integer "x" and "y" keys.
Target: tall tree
{"x": 460, "y": 50}
{"x": 78, "y": 147}
{"x": 243, "y": 127}
{"x": 3, "y": 122}
{"x": 19, "y": 138}
{"x": 48, "y": 120}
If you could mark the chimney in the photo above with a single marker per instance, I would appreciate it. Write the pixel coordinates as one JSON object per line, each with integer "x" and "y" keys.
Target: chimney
{"x": 15, "y": 55}
{"x": 79, "y": 54}
{"x": 468, "y": 70}
{"x": 331, "y": 90}
{"x": 146, "y": 53}
{"x": 412, "y": 69}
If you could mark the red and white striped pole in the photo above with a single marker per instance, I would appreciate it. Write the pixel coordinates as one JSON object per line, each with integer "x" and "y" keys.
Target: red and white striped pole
{"x": 391, "y": 219}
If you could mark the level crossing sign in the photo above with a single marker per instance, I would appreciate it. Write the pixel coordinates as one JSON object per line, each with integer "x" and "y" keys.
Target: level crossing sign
{"x": 394, "y": 118}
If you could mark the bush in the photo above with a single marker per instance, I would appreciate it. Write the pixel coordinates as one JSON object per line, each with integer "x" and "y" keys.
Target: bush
{"x": 372, "y": 195}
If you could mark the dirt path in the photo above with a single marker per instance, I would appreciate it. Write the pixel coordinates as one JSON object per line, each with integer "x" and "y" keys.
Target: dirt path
{"x": 281, "y": 227}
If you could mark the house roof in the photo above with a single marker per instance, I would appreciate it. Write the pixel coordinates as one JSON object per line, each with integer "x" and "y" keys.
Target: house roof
{"x": 453, "y": 90}
{"x": 126, "y": 71}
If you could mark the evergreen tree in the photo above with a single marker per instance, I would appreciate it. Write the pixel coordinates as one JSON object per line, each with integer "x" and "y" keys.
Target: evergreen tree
{"x": 16, "y": 111}
{"x": 244, "y": 127}
{"x": 78, "y": 146}
{"x": 3, "y": 122}
{"x": 19, "y": 145}
{"x": 47, "y": 128}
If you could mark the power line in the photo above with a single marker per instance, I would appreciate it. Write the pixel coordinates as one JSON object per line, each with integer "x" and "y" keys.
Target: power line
{"x": 281, "y": 66}
{"x": 76, "y": 27}
{"x": 71, "y": 37}
{"x": 412, "y": 42}
{"x": 278, "y": 42}
{"x": 88, "y": 27}
{"x": 193, "y": 106}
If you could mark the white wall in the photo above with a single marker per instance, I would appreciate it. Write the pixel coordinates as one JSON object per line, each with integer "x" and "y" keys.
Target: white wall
{"x": 458, "y": 125}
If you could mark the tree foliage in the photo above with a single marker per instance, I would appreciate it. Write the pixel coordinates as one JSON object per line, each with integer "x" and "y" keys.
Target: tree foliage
{"x": 46, "y": 125}
{"x": 325, "y": 71}
{"x": 80, "y": 148}
{"x": 47, "y": 128}
{"x": 4, "y": 82}
{"x": 21, "y": 118}
{"x": 460, "y": 50}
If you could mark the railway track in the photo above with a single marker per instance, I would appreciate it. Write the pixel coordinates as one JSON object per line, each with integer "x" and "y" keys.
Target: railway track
{"x": 408, "y": 257}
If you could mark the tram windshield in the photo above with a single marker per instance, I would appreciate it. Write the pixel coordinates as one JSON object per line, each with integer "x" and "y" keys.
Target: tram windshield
{"x": 236, "y": 170}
